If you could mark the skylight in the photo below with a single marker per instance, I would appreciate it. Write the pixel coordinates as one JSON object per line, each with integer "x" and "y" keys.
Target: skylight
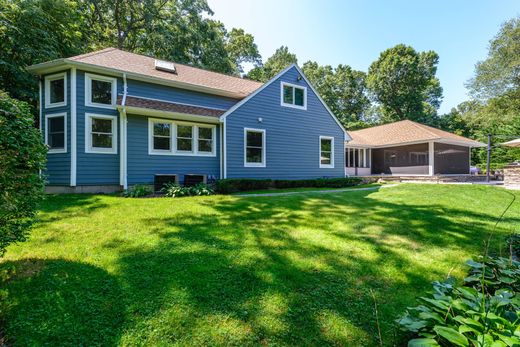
{"x": 162, "y": 65}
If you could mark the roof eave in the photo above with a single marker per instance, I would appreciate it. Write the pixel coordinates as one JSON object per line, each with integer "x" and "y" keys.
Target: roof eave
{"x": 56, "y": 65}
{"x": 168, "y": 114}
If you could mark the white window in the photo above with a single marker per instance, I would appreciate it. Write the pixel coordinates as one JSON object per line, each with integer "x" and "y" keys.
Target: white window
{"x": 168, "y": 137}
{"x": 56, "y": 132}
{"x": 161, "y": 136}
{"x": 56, "y": 90}
{"x": 326, "y": 152}
{"x": 100, "y": 91}
{"x": 254, "y": 147}
{"x": 101, "y": 134}
{"x": 293, "y": 96}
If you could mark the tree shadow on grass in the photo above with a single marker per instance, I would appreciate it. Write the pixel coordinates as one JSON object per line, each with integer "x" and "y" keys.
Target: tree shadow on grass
{"x": 66, "y": 304}
{"x": 245, "y": 277}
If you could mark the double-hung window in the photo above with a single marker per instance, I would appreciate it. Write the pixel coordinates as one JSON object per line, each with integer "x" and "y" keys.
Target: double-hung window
{"x": 162, "y": 136}
{"x": 169, "y": 137}
{"x": 56, "y": 132}
{"x": 326, "y": 152}
{"x": 101, "y": 134}
{"x": 293, "y": 95}
{"x": 100, "y": 91}
{"x": 56, "y": 90}
{"x": 205, "y": 140}
{"x": 184, "y": 138}
{"x": 254, "y": 147}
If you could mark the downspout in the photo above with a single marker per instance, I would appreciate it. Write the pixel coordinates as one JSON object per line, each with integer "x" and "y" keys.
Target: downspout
{"x": 225, "y": 149}
{"x": 123, "y": 142}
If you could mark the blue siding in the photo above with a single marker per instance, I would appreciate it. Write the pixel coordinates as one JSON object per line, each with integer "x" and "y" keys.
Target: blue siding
{"x": 142, "y": 166}
{"x": 58, "y": 164}
{"x": 93, "y": 168}
{"x": 160, "y": 92}
{"x": 292, "y": 135}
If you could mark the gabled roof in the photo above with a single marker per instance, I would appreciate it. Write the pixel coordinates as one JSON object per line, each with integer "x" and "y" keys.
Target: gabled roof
{"x": 243, "y": 101}
{"x": 137, "y": 65}
{"x": 132, "y": 101}
{"x": 406, "y": 132}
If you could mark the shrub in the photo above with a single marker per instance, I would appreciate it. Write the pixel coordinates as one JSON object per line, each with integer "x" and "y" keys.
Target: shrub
{"x": 138, "y": 191}
{"x": 22, "y": 155}
{"x": 482, "y": 313}
{"x": 228, "y": 186}
{"x": 174, "y": 190}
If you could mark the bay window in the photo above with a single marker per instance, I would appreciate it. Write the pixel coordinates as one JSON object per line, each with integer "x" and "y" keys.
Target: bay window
{"x": 56, "y": 132}
{"x": 56, "y": 90}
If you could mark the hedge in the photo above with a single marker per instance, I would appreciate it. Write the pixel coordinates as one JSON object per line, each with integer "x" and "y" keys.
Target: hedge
{"x": 235, "y": 185}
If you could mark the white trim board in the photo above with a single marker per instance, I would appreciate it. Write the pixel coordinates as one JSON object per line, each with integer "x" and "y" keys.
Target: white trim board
{"x": 73, "y": 133}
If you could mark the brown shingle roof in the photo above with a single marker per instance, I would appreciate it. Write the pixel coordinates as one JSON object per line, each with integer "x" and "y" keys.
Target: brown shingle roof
{"x": 403, "y": 132}
{"x": 113, "y": 58}
{"x": 170, "y": 107}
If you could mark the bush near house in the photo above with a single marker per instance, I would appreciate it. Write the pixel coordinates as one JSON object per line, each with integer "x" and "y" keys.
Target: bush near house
{"x": 22, "y": 156}
{"x": 228, "y": 186}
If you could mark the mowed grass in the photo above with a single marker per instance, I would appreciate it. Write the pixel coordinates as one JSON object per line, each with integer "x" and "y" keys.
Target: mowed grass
{"x": 225, "y": 270}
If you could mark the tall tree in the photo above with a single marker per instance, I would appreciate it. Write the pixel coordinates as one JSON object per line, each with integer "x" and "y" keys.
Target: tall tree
{"x": 274, "y": 64}
{"x": 403, "y": 83}
{"x": 499, "y": 73}
{"x": 34, "y": 31}
{"x": 343, "y": 89}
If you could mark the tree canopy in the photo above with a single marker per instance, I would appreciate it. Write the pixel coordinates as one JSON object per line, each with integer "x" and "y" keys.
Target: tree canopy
{"x": 402, "y": 82}
{"x": 499, "y": 73}
{"x": 34, "y": 31}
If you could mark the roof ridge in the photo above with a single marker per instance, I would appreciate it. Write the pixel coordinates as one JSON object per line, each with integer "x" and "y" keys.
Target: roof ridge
{"x": 90, "y": 54}
{"x": 186, "y": 65}
{"x": 378, "y": 126}
{"x": 423, "y": 127}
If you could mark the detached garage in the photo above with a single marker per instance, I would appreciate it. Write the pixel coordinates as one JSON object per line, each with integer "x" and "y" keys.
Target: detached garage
{"x": 407, "y": 148}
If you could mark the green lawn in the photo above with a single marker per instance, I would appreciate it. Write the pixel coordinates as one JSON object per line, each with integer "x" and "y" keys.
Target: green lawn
{"x": 226, "y": 270}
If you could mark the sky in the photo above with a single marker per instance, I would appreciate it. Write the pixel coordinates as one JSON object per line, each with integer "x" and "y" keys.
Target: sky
{"x": 333, "y": 32}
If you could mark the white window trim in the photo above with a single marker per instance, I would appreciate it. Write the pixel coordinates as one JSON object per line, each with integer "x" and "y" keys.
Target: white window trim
{"x": 173, "y": 139}
{"x": 88, "y": 90}
{"x": 48, "y": 79}
{"x": 282, "y": 103}
{"x": 47, "y": 116}
{"x": 88, "y": 136}
{"x": 264, "y": 148}
{"x": 331, "y": 165}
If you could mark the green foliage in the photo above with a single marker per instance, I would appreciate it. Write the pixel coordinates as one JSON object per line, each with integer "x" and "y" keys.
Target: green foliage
{"x": 499, "y": 73}
{"x": 494, "y": 273}
{"x": 402, "y": 82}
{"x": 22, "y": 156}
{"x": 35, "y": 31}
{"x": 234, "y": 185}
{"x": 281, "y": 59}
{"x": 343, "y": 89}
{"x": 138, "y": 191}
{"x": 484, "y": 312}
{"x": 173, "y": 190}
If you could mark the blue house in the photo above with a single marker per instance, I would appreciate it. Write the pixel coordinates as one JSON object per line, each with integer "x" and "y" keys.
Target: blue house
{"x": 113, "y": 119}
